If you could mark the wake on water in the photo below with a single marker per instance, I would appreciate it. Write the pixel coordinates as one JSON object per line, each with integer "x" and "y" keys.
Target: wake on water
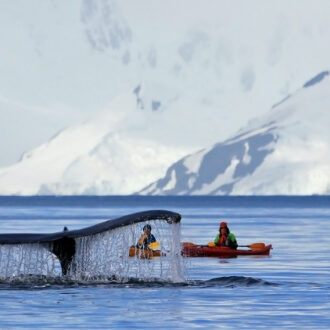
{"x": 41, "y": 282}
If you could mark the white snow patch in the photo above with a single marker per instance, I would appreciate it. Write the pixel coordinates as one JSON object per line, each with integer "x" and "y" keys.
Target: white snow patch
{"x": 171, "y": 184}
{"x": 193, "y": 162}
{"x": 246, "y": 157}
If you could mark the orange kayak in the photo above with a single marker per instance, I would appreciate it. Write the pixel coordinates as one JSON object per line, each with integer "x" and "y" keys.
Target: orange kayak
{"x": 143, "y": 253}
{"x": 193, "y": 250}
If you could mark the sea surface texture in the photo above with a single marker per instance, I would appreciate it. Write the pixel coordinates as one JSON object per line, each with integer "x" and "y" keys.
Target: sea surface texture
{"x": 288, "y": 289}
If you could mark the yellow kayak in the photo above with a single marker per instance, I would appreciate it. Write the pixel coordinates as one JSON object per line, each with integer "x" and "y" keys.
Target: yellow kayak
{"x": 144, "y": 253}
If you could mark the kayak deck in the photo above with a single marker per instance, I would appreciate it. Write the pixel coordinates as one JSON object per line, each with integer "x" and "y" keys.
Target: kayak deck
{"x": 193, "y": 250}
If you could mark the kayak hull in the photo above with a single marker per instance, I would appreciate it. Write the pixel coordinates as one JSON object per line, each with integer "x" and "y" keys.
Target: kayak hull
{"x": 143, "y": 253}
{"x": 193, "y": 250}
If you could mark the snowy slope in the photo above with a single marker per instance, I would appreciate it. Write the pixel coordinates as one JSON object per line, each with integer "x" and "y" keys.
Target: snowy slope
{"x": 95, "y": 157}
{"x": 216, "y": 63}
{"x": 286, "y": 151}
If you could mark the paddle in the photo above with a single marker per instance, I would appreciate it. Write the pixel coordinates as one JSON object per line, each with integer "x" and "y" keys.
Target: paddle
{"x": 255, "y": 246}
{"x": 153, "y": 246}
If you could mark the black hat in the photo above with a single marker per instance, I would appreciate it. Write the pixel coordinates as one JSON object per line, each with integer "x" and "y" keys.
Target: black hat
{"x": 147, "y": 226}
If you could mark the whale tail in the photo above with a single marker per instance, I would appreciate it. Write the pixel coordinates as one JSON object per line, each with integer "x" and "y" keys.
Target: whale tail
{"x": 64, "y": 244}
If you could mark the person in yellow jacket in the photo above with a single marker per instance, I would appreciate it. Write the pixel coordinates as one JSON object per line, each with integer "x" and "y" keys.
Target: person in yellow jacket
{"x": 225, "y": 237}
{"x": 146, "y": 238}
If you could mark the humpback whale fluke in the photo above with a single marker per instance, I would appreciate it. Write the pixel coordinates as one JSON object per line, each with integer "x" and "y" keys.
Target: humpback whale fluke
{"x": 63, "y": 244}
{"x": 64, "y": 249}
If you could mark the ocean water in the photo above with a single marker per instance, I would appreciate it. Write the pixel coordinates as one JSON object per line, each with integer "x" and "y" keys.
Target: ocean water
{"x": 288, "y": 289}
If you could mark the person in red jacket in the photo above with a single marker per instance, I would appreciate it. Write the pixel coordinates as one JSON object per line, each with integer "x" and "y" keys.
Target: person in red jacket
{"x": 225, "y": 237}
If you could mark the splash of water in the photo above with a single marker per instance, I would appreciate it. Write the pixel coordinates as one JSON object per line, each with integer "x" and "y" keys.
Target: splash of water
{"x": 102, "y": 256}
{"x": 32, "y": 259}
{"x": 107, "y": 254}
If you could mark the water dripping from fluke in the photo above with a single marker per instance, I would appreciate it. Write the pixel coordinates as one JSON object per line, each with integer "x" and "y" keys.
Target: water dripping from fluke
{"x": 96, "y": 253}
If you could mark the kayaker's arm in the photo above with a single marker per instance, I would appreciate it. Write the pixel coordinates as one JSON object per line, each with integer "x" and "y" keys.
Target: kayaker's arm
{"x": 142, "y": 239}
{"x": 231, "y": 241}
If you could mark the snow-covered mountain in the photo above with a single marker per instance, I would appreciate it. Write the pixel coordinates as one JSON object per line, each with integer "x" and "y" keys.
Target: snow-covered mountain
{"x": 100, "y": 156}
{"x": 213, "y": 63}
{"x": 286, "y": 151}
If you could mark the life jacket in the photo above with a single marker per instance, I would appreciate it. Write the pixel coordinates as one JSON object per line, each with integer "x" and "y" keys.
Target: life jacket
{"x": 226, "y": 240}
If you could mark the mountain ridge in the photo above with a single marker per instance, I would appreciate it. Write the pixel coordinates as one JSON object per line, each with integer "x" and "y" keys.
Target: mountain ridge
{"x": 232, "y": 166}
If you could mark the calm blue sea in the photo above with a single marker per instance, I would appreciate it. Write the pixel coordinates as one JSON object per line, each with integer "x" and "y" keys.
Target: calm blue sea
{"x": 288, "y": 289}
